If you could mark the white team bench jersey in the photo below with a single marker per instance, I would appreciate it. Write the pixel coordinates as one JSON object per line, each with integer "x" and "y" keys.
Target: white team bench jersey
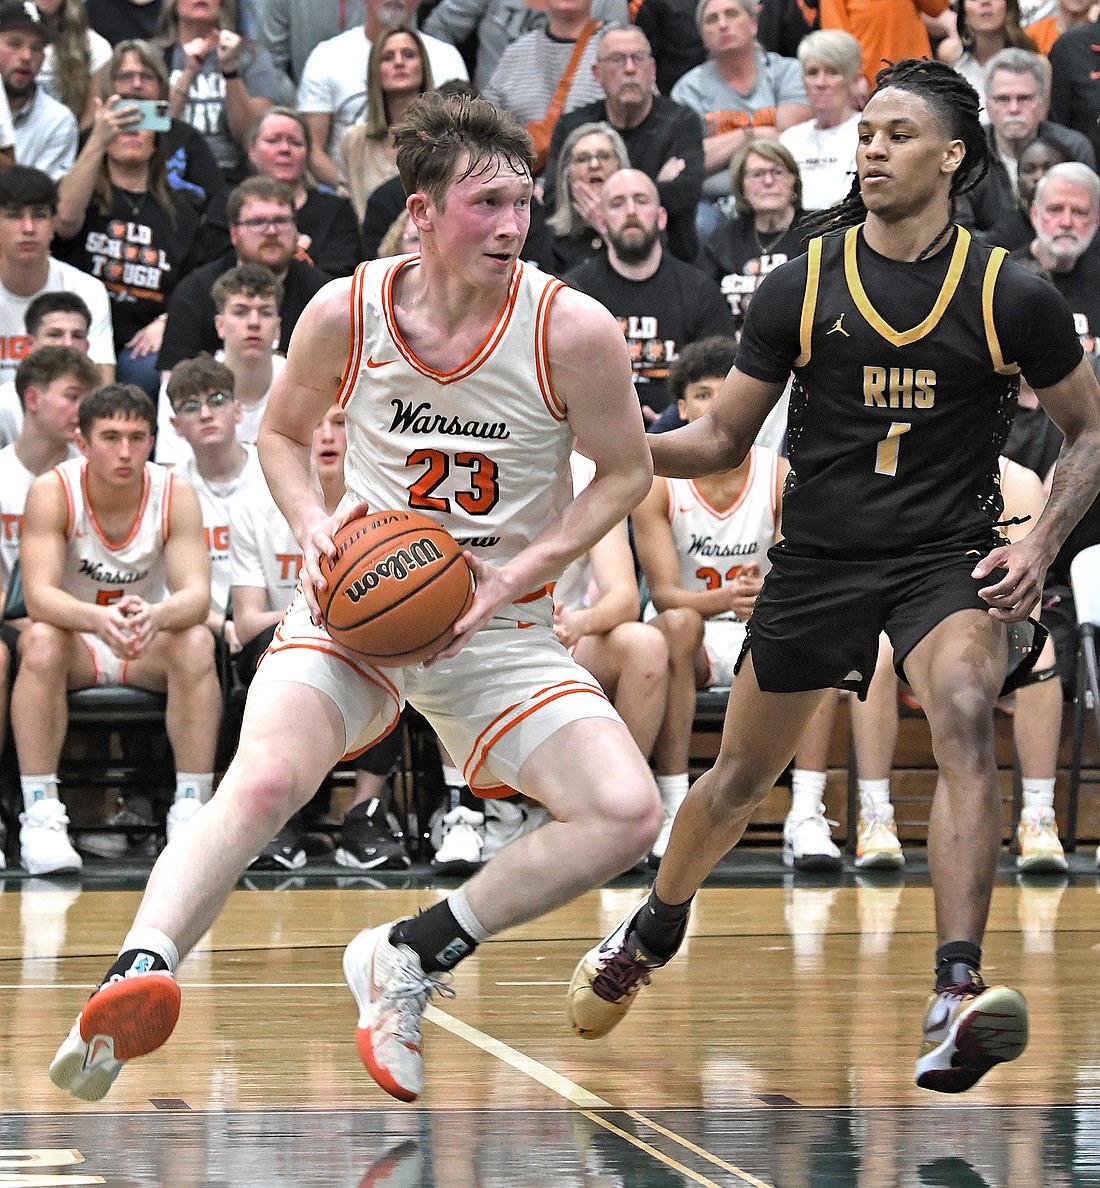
{"x": 715, "y": 543}
{"x": 102, "y": 571}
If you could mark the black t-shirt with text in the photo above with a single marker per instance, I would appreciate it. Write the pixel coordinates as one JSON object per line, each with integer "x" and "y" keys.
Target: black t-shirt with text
{"x": 1080, "y": 286}
{"x": 138, "y": 252}
{"x": 739, "y": 257}
{"x": 677, "y": 305}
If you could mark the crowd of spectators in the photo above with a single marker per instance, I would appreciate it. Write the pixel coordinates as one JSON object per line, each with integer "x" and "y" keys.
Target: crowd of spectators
{"x": 179, "y": 177}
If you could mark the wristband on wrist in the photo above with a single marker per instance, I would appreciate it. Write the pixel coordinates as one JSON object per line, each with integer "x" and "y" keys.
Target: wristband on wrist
{"x": 228, "y": 74}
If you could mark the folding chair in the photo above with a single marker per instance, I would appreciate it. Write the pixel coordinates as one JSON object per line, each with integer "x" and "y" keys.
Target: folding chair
{"x": 1084, "y": 574}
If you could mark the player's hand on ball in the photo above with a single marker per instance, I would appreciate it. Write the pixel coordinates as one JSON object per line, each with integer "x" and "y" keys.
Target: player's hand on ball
{"x": 317, "y": 542}
{"x": 491, "y": 591}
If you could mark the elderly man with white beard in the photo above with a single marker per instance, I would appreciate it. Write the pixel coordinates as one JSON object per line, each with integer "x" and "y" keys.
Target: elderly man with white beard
{"x": 1066, "y": 214}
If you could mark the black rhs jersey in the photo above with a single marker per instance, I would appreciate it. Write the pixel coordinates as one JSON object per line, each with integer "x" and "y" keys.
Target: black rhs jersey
{"x": 906, "y": 377}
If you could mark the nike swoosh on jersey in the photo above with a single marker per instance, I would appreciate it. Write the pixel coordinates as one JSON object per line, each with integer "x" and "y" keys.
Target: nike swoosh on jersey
{"x": 373, "y": 362}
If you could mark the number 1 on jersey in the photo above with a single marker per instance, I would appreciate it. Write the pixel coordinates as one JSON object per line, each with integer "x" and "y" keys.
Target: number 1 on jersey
{"x": 886, "y": 456}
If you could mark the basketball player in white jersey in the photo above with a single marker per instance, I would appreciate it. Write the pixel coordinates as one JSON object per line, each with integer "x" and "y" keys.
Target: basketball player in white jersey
{"x": 465, "y": 376}
{"x": 50, "y": 383}
{"x": 116, "y": 579}
{"x": 702, "y": 545}
{"x": 596, "y": 612}
{"x": 206, "y": 413}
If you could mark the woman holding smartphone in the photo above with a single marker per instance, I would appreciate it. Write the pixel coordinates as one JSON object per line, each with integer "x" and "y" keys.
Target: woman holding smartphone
{"x": 119, "y": 220}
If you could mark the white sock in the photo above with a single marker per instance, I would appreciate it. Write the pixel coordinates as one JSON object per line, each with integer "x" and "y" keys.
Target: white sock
{"x": 1038, "y": 794}
{"x": 807, "y": 789}
{"x": 39, "y": 787}
{"x": 452, "y": 777}
{"x": 673, "y": 789}
{"x": 152, "y": 940}
{"x": 874, "y": 794}
{"x": 464, "y": 914}
{"x": 193, "y": 785}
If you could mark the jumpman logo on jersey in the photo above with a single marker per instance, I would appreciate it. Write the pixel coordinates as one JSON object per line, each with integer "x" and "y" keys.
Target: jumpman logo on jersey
{"x": 838, "y": 328}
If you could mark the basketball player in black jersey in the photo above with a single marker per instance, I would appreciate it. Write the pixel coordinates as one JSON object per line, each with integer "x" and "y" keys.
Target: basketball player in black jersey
{"x": 907, "y": 340}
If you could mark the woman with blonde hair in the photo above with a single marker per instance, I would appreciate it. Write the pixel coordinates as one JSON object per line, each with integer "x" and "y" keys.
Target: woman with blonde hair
{"x": 589, "y": 155}
{"x": 74, "y": 64}
{"x": 402, "y": 237}
{"x": 985, "y": 27}
{"x": 398, "y": 72}
{"x": 221, "y": 83}
{"x": 824, "y": 147}
{"x": 279, "y": 146}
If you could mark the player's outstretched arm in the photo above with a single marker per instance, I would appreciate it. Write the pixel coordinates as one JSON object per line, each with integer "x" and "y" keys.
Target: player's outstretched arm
{"x": 721, "y": 438}
{"x": 1074, "y": 406}
{"x": 303, "y": 392}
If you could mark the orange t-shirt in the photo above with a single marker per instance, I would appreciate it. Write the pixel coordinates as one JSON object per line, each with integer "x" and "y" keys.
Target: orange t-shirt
{"x": 885, "y": 29}
{"x": 1044, "y": 33}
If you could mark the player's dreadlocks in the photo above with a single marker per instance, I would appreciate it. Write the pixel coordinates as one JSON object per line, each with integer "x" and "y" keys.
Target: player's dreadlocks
{"x": 955, "y": 103}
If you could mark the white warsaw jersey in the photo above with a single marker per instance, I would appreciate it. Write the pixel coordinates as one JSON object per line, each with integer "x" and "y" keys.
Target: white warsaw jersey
{"x": 576, "y": 588}
{"x": 482, "y": 449}
{"x": 102, "y": 571}
{"x": 715, "y": 543}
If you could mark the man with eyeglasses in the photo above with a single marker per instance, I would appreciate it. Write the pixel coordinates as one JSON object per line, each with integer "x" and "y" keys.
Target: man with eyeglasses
{"x": 205, "y": 413}
{"x": 261, "y": 226}
{"x": 1017, "y": 96}
{"x": 664, "y": 138}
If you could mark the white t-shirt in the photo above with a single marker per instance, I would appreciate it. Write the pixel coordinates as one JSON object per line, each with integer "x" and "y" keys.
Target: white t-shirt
{"x": 172, "y": 450}
{"x": 826, "y": 160}
{"x": 263, "y": 552}
{"x": 15, "y": 342}
{"x": 11, "y": 411}
{"x": 15, "y": 482}
{"x": 334, "y": 80}
{"x": 99, "y": 50}
{"x": 216, "y": 501}
{"x": 46, "y": 135}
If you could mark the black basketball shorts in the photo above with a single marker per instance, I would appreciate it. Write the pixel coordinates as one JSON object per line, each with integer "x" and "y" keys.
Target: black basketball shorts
{"x": 817, "y": 621}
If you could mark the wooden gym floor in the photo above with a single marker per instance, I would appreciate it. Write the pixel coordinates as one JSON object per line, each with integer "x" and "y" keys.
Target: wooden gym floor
{"x": 776, "y": 1050}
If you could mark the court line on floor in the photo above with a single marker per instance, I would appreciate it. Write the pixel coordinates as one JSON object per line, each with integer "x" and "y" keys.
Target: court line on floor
{"x": 740, "y": 1173}
{"x": 578, "y": 1096}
